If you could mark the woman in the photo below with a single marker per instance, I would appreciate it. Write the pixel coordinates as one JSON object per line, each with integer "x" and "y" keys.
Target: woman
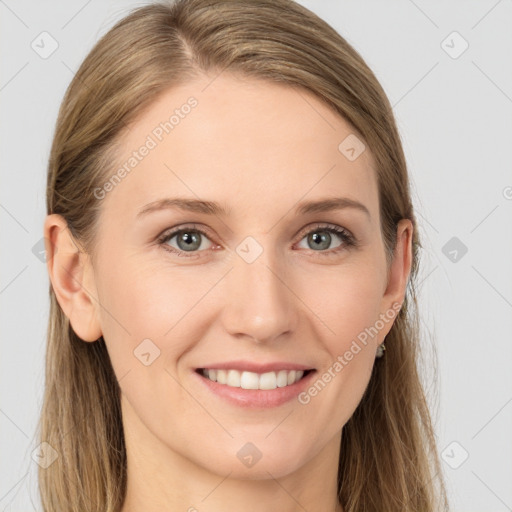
{"x": 231, "y": 240}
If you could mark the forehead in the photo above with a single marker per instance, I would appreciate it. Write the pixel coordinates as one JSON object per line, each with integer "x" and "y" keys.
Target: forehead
{"x": 250, "y": 144}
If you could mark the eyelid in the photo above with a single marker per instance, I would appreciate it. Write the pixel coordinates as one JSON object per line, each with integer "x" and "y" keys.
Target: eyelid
{"x": 324, "y": 225}
{"x": 190, "y": 227}
{"x": 348, "y": 239}
{"x": 169, "y": 233}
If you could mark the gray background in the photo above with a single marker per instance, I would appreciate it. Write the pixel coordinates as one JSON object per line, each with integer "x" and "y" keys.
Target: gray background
{"x": 454, "y": 114}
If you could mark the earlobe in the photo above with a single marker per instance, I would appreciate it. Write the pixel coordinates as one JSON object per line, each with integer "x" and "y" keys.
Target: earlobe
{"x": 72, "y": 278}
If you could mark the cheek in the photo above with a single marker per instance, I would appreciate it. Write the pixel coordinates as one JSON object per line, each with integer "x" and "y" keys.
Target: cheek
{"x": 346, "y": 303}
{"x": 141, "y": 301}
{"x": 348, "y": 307}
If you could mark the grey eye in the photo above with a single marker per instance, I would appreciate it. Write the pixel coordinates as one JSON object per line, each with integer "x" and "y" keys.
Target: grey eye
{"x": 187, "y": 240}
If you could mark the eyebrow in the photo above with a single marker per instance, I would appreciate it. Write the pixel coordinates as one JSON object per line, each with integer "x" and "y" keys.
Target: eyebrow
{"x": 214, "y": 208}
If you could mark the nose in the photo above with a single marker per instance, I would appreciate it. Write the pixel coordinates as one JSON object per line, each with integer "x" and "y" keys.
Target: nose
{"x": 260, "y": 304}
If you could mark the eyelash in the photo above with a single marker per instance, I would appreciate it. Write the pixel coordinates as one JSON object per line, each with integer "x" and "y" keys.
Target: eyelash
{"x": 347, "y": 238}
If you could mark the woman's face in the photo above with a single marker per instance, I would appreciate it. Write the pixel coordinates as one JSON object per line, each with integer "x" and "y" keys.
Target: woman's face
{"x": 256, "y": 280}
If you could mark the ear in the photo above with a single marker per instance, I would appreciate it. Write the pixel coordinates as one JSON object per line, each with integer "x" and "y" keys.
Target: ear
{"x": 72, "y": 278}
{"x": 398, "y": 275}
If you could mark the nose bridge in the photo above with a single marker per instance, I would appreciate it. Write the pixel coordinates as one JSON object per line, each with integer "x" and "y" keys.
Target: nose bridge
{"x": 259, "y": 303}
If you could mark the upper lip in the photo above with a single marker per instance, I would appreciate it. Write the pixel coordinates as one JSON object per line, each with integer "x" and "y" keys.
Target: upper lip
{"x": 251, "y": 366}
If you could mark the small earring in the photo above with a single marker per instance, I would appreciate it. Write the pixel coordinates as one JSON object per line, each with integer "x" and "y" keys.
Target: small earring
{"x": 380, "y": 350}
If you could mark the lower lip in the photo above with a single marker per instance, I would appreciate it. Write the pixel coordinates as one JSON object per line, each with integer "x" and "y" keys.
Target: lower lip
{"x": 257, "y": 398}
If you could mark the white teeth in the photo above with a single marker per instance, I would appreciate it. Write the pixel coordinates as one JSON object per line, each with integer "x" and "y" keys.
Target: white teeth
{"x": 282, "y": 379}
{"x": 251, "y": 380}
{"x": 233, "y": 379}
{"x": 268, "y": 380}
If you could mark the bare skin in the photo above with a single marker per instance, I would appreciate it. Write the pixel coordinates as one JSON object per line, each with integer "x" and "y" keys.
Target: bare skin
{"x": 259, "y": 149}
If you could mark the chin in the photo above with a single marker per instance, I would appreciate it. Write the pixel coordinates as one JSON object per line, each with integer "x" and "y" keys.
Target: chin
{"x": 254, "y": 461}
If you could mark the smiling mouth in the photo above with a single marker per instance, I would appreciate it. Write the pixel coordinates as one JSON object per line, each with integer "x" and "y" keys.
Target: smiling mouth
{"x": 251, "y": 380}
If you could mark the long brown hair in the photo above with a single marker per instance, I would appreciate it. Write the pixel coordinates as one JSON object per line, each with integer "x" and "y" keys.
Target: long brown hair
{"x": 388, "y": 460}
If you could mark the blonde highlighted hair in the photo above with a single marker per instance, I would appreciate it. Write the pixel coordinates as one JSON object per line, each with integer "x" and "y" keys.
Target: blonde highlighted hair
{"x": 388, "y": 459}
